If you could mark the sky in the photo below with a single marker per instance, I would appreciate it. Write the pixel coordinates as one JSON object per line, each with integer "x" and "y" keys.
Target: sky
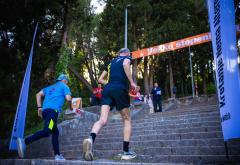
{"x": 99, "y": 5}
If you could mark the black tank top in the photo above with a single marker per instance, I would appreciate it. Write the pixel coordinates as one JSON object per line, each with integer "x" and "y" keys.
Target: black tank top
{"x": 117, "y": 76}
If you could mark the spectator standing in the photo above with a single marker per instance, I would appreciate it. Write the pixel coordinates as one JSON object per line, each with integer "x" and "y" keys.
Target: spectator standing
{"x": 97, "y": 92}
{"x": 157, "y": 98}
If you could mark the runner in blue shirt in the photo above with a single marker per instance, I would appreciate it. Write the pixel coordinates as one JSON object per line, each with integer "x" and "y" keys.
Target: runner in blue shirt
{"x": 115, "y": 93}
{"x": 48, "y": 109}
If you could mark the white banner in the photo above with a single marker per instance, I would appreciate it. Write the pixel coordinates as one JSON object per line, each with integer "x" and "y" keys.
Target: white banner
{"x": 223, "y": 34}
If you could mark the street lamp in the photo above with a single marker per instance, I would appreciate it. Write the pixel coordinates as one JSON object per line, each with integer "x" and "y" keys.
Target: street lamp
{"x": 125, "y": 40}
{"x": 190, "y": 60}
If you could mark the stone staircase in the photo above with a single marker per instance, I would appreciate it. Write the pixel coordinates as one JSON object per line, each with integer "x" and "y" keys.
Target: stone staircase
{"x": 188, "y": 134}
{"x": 192, "y": 137}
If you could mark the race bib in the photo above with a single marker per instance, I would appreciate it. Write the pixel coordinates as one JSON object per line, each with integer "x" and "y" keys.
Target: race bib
{"x": 158, "y": 92}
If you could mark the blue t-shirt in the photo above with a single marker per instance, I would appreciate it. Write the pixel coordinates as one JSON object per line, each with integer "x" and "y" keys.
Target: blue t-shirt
{"x": 156, "y": 92}
{"x": 55, "y": 96}
{"x": 117, "y": 76}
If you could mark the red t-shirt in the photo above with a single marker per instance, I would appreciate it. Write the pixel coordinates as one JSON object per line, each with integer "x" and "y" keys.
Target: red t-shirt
{"x": 97, "y": 92}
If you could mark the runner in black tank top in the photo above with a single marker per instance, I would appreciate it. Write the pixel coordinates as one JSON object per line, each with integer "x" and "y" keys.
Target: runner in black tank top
{"x": 115, "y": 93}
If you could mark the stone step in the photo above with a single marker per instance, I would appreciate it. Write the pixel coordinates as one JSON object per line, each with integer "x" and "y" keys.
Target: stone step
{"x": 182, "y": 114}
{"x": 164, "y": 121}
{"x": 171, "y": 151}
{"x": 149, "y": 153}
{"x": 199, "y": 107}
{"x": 156, "y": 130}
{"x": 183, "y": 111}
{"x": 191, "y": 109}
{"x": 152, "y": 158}
{"x": 141, "y": 121}
{"x": 146, "y": 127}
{"x": 180, "y": 117}
{"x": 144, "y": 137}
{"x": 156, "y": 159}
{"x": 162, "y": 115}
{"x": 156, "y": 143}
{"x": 190, "y": 159}
{"x": 73, "y": 162}
{"x": 149, "y": 131}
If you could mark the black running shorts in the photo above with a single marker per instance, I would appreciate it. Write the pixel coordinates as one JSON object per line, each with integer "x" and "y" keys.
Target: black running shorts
{"x": 115, "y": 97}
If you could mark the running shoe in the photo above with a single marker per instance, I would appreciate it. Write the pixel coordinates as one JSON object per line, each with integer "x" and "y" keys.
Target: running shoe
{"x": 21, "y": 147}
{"x": 128, "y": 155}
{"x": 88, "y": 149}
{"x": 59, "y": 157}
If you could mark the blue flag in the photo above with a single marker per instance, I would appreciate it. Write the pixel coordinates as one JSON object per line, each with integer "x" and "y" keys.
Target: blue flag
{"x": 19, "y": 122}
{"x": 223, "y": 32}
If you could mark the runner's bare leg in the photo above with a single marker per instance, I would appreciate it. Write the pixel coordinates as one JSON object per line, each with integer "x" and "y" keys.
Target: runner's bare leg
{"x": 127, "y": 126}
{"x": 103, "y": 119}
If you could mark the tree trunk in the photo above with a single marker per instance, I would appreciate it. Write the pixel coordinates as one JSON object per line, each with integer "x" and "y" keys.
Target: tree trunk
{"x": 166, "y": 89}
{"x": 64, "y": 34}
{"x": 151, "y": 73}
{"x": 170, "y": 74}
{"x": 204, "y": 82}
{"x": 80, "y": 77}
{"x": 211, "y": 73}
{"x": 166, "y": 82}
{"x": 182, "y": 87}
{"x": 95, "y": 71}
{"x": 196, "y": 79}
{"x": 145, "y": 76}
{"x": 135, "y": 62}
{"x": 141, "y": 71}
{"x": 49, "y": 73}
{"x": 186, "y": 87}
{"x": 90, "y": 72}
{"x": 134, "y": 70}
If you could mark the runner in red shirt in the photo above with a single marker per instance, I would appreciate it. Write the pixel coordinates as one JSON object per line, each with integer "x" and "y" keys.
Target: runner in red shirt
{"x": 98, "y": 94}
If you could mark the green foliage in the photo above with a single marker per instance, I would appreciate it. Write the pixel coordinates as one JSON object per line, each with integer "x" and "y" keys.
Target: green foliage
{"x": 33, "y": 121}
{"x": 63, "y": 61}
{"x": 211, "y": 88}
